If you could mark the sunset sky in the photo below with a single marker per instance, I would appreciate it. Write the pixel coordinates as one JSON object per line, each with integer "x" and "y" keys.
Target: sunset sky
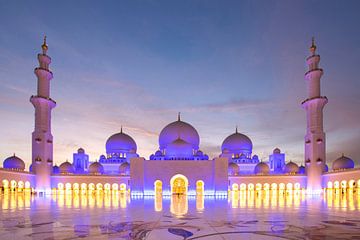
{"x": 219, "y": 63}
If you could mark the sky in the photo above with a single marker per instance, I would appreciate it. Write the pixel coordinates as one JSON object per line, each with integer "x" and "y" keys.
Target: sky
{"x": 221, "y": 64}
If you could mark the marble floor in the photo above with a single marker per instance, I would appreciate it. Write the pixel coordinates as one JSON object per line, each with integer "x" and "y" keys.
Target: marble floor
{"x": 243, "y": 215}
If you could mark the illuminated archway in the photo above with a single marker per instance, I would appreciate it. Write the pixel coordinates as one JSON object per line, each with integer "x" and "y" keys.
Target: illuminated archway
{"x": 20, "y": 185}
{"x": 289, "y": 186}
{"x": 336, "y": 185}
{"x": 200, "y": 187}
{"x": 76, "y": 186}
{"x": 251, "y": 187}
{"x": 60, "y": 186}
{"x": 266, "y": 186}
{"x": 358, "y": 183}
{"x": 297, "y": 186}
{"x": 273, "y": 186}
{"x": 243, "y": 187}
{"x": 99, "y": 187}
{"x": 258, "y": 187}
{"x": 115, "y": 187}
{"x": 68, "y": 186}
{"x": 83, "y": 186}
{"x": 107, "y": 186}
{"x": 13, "y": 184}
{"x": 179, "y": 184}
{"x": 158, "y": 187}
{"x": 282, "y": 186}
{"x": 235, "y": 187}
{"x": 329, "y": 185}
{"x": 27, "y": 185}
{"x": 91, "y": 186}
{"x": 343, "y": 184}
{"x": 122, "y": 187}
{"x": 352, "y": 184}
{"x": 5, "y": 183}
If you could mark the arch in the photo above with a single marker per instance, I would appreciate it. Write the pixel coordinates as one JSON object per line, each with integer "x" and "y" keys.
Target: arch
{"x": 258, "y": 187}
{"x": 343, "y": 184}
{"x": 99, "y": 187}
{"x": 266, "y": 186}
{"x": 91, "y": 186}
{"x": 107, "y": 187}
{"x": 297, "y": 186}
{"x": 282, "y": 186}
{"x": 200, "y": 187}
{"x": 179, "y": 184}
{"x": 76, "y": 186}
{"x": 122, "y": 187}
{"x": 336, "y": 185}
{"x": 289, "y": 186}
{"x": 83, "y": 186}
{"x": 274, "y": 186}
{"x": 352, "y": 184}
{"x": 243, "y": 186}
{"x": 68, "y": 186}
{"x": 250, "y": 187}
{"x": 115, "y": 187}
{"x": 27, "y": 185}
{"x": 5, "y": 183}
{"x": 60, "y": 186}
{"x": 358, "y": 183}
{"x": 329, "y": 185}
{"x": 235, "y": 187}
{"x": 20, "y": 185}
{"x": 13, "y": 184}
{"x": 158, "y": 187}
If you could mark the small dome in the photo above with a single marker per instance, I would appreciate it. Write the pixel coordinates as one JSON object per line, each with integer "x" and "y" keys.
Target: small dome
{"x": 96, "y": 168}
{"x": 262, "y": 168}
{"x": 233, "y": 169}
{"x": 237, "y": 143}
{"x": 301, "y": 170}
{"x": 343, "y": 163}
{"x": 56, "y": 169}
{"x": 66, "y": 168}
{"x": 158, "y": 153}
{"x": 179, "y": 129}
{"x": 199, "y": 153}
{"x": 81, "y": 151}
{"x": 179, "y": 149}
{"x": 120, "y": 143}
{"x": 124, "y": 168}
{"x": 291, "y": 168}
{"x": 14, "y": 162}
{"x": 276, "y": 151}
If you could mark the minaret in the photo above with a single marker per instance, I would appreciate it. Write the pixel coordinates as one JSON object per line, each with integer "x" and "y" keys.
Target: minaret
{"x": 42, "y": 140}
{"x": 315, "y": 157}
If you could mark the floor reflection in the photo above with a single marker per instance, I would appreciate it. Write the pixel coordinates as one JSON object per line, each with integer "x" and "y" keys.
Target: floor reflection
{"x": 244, "y": 214}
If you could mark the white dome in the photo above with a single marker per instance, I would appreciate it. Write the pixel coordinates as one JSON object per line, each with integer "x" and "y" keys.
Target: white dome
{"x": 343, "y": 163}
{"x": 237, "y": 143}
{"x": 233, "y": 169}
{"x": 120, "y": 143}
{"x": 262, "y": 168}
{"x": 66, "y": 168}
{"x": 179, "y": 129}
{"x": 14, "y": 162}
{"x": 96, "y": 168}
{"x": 291, "y": 168}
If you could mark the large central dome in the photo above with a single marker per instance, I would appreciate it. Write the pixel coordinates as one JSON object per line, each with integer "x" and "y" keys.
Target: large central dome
{"x": 176, "y": 130}
{"x": 120, "y": 143}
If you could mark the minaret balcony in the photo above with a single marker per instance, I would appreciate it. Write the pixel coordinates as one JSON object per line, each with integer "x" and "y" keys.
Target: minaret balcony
{"x": 43, "y": 73}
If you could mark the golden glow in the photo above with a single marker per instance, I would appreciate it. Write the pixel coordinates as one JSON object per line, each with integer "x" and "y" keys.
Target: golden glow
{"x": 266, "y": 186}
{"x": 179, "y": 205}
{"x": 242, "y": 186}
{"x": 297, "y": 186}
{"x": 91, "y": 186}
{"x": 274, "y": 186}
{"x": 289, "y": 186}
{"x": 235, "y": 187}
{"x": 13, "y": 184}
{"x": 343, "y": 184}
{"x": 83, "y": 187}
{"x": 5, "y": 183}
{"x": 179, "y": 184}
{"x": 258, "y": 186}
{"x": 200, "y": 187}
{"x": 250, "y": 187}
{"x": 115, "y": 187}
{"x": 76, "y": 186}
{"x": 158, "y": 187}
{"x": 336, "y": 184}
{"x": 99, "y": 187}
{"x": 329, "y": 185}
{"x": 122, "y": 187}
{"x": 107, "y": 186}
{"x": 352, "y": 184}
{"x": 60, "y": 186}
{"x": 158, "y": 202}
{"x": 281, "y": 186}
{"x": 68, "y": 186}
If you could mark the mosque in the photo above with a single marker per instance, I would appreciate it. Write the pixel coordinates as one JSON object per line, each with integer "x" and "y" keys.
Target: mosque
{"x": 178, "y": 166}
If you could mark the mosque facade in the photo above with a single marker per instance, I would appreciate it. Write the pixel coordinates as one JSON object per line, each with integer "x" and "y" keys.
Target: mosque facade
{"x": 178, "y": 166}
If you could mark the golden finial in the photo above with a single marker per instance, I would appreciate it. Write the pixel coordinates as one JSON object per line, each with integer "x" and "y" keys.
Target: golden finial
{"x": 44, "y": 46}
{"x": 121, "y": 129}
{"x": 179, "y": 116}
{"x": 313, "y": 46}
{"x": 236, "y": 129}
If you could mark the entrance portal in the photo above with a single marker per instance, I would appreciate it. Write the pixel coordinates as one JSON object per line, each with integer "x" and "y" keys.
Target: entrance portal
{"x": 179, "y": 184}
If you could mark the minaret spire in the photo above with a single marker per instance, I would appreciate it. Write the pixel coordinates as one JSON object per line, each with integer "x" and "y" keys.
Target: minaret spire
{"x": 179, "y": 119}
{"x": 315, "y": 155}
{"x": 236, "y": 129}
{"x": 42, "y": 139}
{"x": 121, "y": 129}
